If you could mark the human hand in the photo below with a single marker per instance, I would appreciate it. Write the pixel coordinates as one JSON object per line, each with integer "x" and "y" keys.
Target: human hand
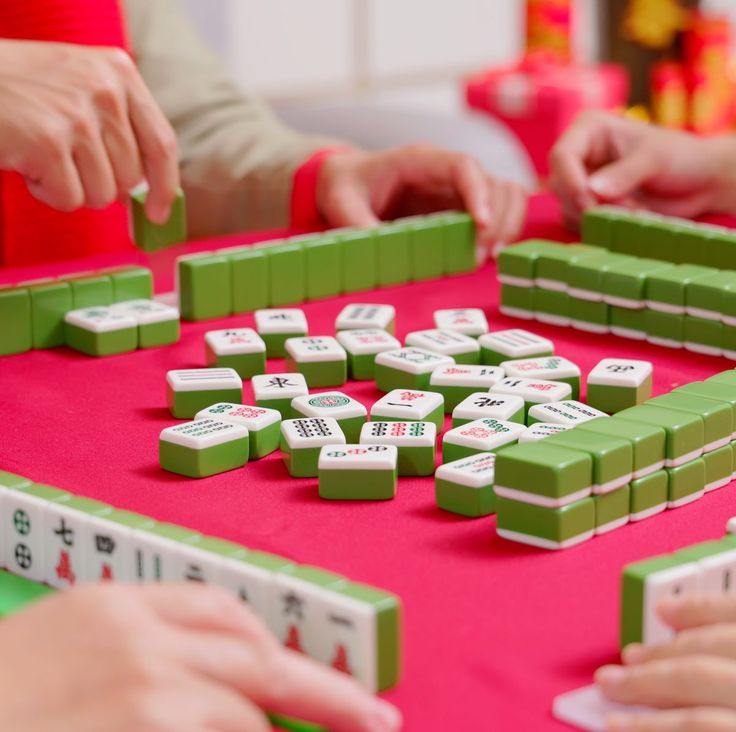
{"x": 184, "y": 658}
{"x": 79, "y": 124}
{"x": 358, "y": 188}
{"x": 606, "y": 158}
{"x": 692, "y": 679}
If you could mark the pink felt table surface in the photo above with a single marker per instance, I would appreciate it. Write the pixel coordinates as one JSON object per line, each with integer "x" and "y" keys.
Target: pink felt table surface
{"x": 493, "y": 630}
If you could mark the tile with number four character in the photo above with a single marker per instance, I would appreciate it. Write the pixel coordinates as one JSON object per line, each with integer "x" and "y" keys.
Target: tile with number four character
{"x": 350, "y": 414}
{"x": 360, "y": 316}
{"x": 158, "y": 324}
{"x": 492, "y": 406}
{"x": 569, "y": 413}
{"x": 482, "y": 435}
{"x": 189, "y": 390}
{"x": 411, "y": 405}
{"x": 507, "y": 345}
{"x": 415, "y": 442}
{"x": 550, "y": 368}
{"x": 322, "y": 360}
{"x": 263, "y": 425}
{"x": 275, "y": 326}
{"x": 358, "y": 472}
{"x": 277, "y": 391}
{"x": 241, "y": 349}
{"x": 462, "y": 348}
{"x": 301, "y": 441}
{"x": 618, "y": 383}
{"x": 465, "y": 486}
{"x": 407, "y": 368}
{"x": 458, "y": 382}
{"x": 468, "y": 321}
{"x": 362, "y": 346}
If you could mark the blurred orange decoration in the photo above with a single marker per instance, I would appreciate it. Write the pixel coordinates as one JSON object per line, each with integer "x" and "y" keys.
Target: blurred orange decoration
{"x": 549, "y": 31}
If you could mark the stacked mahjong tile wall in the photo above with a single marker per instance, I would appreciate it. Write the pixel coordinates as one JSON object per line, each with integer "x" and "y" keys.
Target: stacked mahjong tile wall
{"x": 593, "y": 289}
{"x": 316, "y": 266}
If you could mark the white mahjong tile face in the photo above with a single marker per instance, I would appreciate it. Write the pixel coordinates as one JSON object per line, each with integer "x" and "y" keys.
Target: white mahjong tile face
{"x": 234, "y": 341}
{"x": 313, "y": 349}
{"x": 673, "y": 582}
{"x": 24, "y": 525}
{"x": 251, "y": 584}
{"x": 471, "y": 375}
{"x": 329, "y": 404}
{"x": 516, "y": 343}
{"x": 407, "y": 404}
{"x": 363, "y": 315}
{"x": 358, "y": 457}
{"x": 203, "y": 433}
{"x": 279, "y": 386}
{"x": 545, "y": 367}
{"x": 311, "y": 432}
{"x": 280, "y": 320}
{"x": 446, "y": 342}
{"x": 413, "y": 360}
{"x": 540, "y": 430}
{"x": 493, "y": 406}
{"x": 624, "y": 372}
{"x": 110, "y": 551}
{"x": 252, "y": 418}
{"x": 567, "y": 412}
{"x": 367, "y": 341}
{"x": 66, "y": 535}
{"x": 100, "y": 320}
{"x": 484, "y": 434}
{"x": 535, "y": 391}
{"x": 717, "y": 573}
{"x": 468, "y": 321}
{"x": 146, "y": 312}
{"x": 203, "y": 379}
{"x": 401, "y": 434}
{"x": 476, "y": 471}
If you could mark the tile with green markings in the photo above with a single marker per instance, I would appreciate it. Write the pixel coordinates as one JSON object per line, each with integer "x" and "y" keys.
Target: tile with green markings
{"x": 250, "y": 279}
{"x": 157, "y": 558}
{"x": 517, "y": 302}
{"x": 100, "y": 331}
{"x": 50, "y": 302}
{"x": 666, "y": 290}
{"x": 324, "y": 265}
{"x": 354, "y": 472}
{"x": 624, "y": 284}
{"x": 704, "y": 296}
{"x": 686, "y": 483}
{"x": 551, "y": 266}
{"x": 359, "y": 259}
{"x": 718, "y": 468}
{"x": 205, "y": 286}
{"x": 648, "y": 495}
{"x": 302, "y": 440}
{"x": 415, "y": 442}
{"x": 612, "y": 509}
{"x": 15, "y": 311}
{"x": 393, "y": 254}
{"x": 151, "y": 237}
{"x": 703, "y": 336}
{"x": 263, "y": 425}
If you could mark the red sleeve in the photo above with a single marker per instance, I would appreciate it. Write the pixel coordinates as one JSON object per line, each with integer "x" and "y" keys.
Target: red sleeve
{"x": 304, "y": 213}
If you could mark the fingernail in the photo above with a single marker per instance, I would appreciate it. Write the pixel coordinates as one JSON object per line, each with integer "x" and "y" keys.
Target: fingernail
{"x": 610, "y": 675}
{"x": 388, "y": 715}
{"x": 618, "y": 723}
{"x": 600, "y": 185}
{"x": 633, "y": 653}
{"x": 159, "y": 213}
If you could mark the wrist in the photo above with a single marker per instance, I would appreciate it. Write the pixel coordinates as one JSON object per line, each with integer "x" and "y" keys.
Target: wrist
{"x": 331, "y": 165}
{"x": 722, "y": 151}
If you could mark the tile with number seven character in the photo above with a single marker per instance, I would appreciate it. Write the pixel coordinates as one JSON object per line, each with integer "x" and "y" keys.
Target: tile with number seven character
{"x": 410, "y": 405}
{"x": 362, "y": 346}
{"x": 465, "y": 486}
{"x": 189, "y": 390}
{"x": 263, "y": 425}
{"x": 468, "y": 321}
{"x": 158, "y": 324}
{"x": 407, "y": 368}
{"x": 550, "y": 368}
{"x": 358, "y": 316}
{"x": 99, "y": 331}
{"x": 533, "y": 391}
{"x": 481, "y": 404}
{"x": 567, "y": 413}
{"x": 302, "y": 440}
{"x": 458, "y": 382}
{"x": 277, "y": 325}
{"x": 618, "y": 383}
{"x": 506, "y": 345}
{"x": 415, "y": 442}
{"x": 482, "y": 435}
{"x": 540, "y": 430}
{"x": 67, "y": 536}
{"x": 350, "y": 414}
{"x": 276, "y": 391}
{"x": 358, "y": 472}
{"x": 321, "y": 359}
{"x": 241, "y": 349}
{"x": 462, "y": 348}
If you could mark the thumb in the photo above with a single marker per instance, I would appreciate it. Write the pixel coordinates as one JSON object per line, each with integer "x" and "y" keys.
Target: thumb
{"x": 622, "y": 177}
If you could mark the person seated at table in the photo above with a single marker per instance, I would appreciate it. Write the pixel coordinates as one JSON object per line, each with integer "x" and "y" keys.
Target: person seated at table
{"x": 691, "y": 679}
{"x": 607, "y": 158}
{"x": 81, "y": 126}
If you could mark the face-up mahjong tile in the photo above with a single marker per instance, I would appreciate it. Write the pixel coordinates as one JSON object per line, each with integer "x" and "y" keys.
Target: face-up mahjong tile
{"x": 468, "y": 321}
{"x": 540, "y": 430}
{"x": 410, "y": 404}
{"x": 333, "y": 404}
{"x": 314, "y": 349}
{"x": 567, "y": 413}
{"x": 99, "y": 331}
{"x": 479, "y": 405}
{"x": 146, "y": 312}
{"x": 278, "y": 321}
{"x": 190, "y": 390}
{"x": 550, "y": 368}
{"x": 505, "y": 345}
{"x": 367, "y": 341}
{"x": 362, "y": 315}
{"x": 157, "y": 556}
{"x": 465, "y": 486}
{"x": 467, "y": 375}
{"x": 234, "y": 341}
{"x": 482, "y": 435}
{"x": 533, "y": 391}
{"x": 358, "y": 472}
{"x": 310, "y": 432}
{"x": 615, "y": 384}
{"x": 462, "y": 348}
{"x": 413, "y": 360}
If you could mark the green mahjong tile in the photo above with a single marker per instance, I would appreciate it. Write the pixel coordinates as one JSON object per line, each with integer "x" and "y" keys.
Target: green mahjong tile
{"x": 226, "y": 549}
{"x": 637, "y": 236}
{"x": 613, "y": 459}
{"x": 130, "y": 519}
{"x": 90, "y": 291}
{"x": 647, "y": 441}
{"x": 669, "y": 286}
{"x": 151, "y": 335}
{"x": 393, "y": 254}
{"x": 279, "y": 721}
{"x": 648, "y": 495}
{"x": 201, "y": 463}
{"x": 724, "y": 377}
{"x": 250, "y": 280}
{"x": 552, "y": 302}
{"x": 205, "y": 286}
{"x": 719, "y": 249}
{"x": 704, "y": 332}
{"x": 518, "y": 299}
{"x": 728, "y": 335}
{"x": 173, "y": 532}
{"x": 13, "y": 480}
{"x": 628, "y": 280}
{"x": 695, "y": 244}
{"x": 50, "y": 302}
{"x": 359, "y": 260}
{"x": 587, "y": 311}
{"x": 717, "y": 416}
{"x": 88, "y": 505}
{"x": 246, "y": 364}
{"x": 550, "y": 528}
{"x": 16, "y": 593}
{"x": 357, "y": 485}
{"x": 265, "y": 441}
{"x": 707, "y": 549}
{"x": 286, "y": 272}
{"x": 302, "y": 462}
{"x": 314, "y": 575}
{"x": 427, "y": 240}
{"x": 45, "y": 492}
{"x": 283, "y": 406}
{"x": 320, "y": 374}
{"x": 544, "y": 470}
{"x": 718, "y": 467}
{"x": 131, "y": 283}
{"x": 553, "y": 262}
{"x": 707, "y": 293}
{"x": 597, "y": 225}
{"x": 465, "y": 500}
{"x": 519, "y": 261}
{"x": 459, "y": 238}
{"x": 150, "y": 236}
{"x": 665, "y": 328}
{"x": 16, "y": 335}
{"x": 323, "y": 260}
{"x": 586, "y": 273}
{"x": 685, "y": 482}
{"x": 711, "y": 390}
{"x": 612, "y": 509}
{"x": 436, "y": 416}
{"x": 388, "y": 379}
{"x": 685, "y": 432}
{"x": 106, "y": 343}
{"x": 627, "y": 321}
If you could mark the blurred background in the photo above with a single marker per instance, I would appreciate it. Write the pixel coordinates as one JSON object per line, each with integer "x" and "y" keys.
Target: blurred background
{"x": 478, "y": 75}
